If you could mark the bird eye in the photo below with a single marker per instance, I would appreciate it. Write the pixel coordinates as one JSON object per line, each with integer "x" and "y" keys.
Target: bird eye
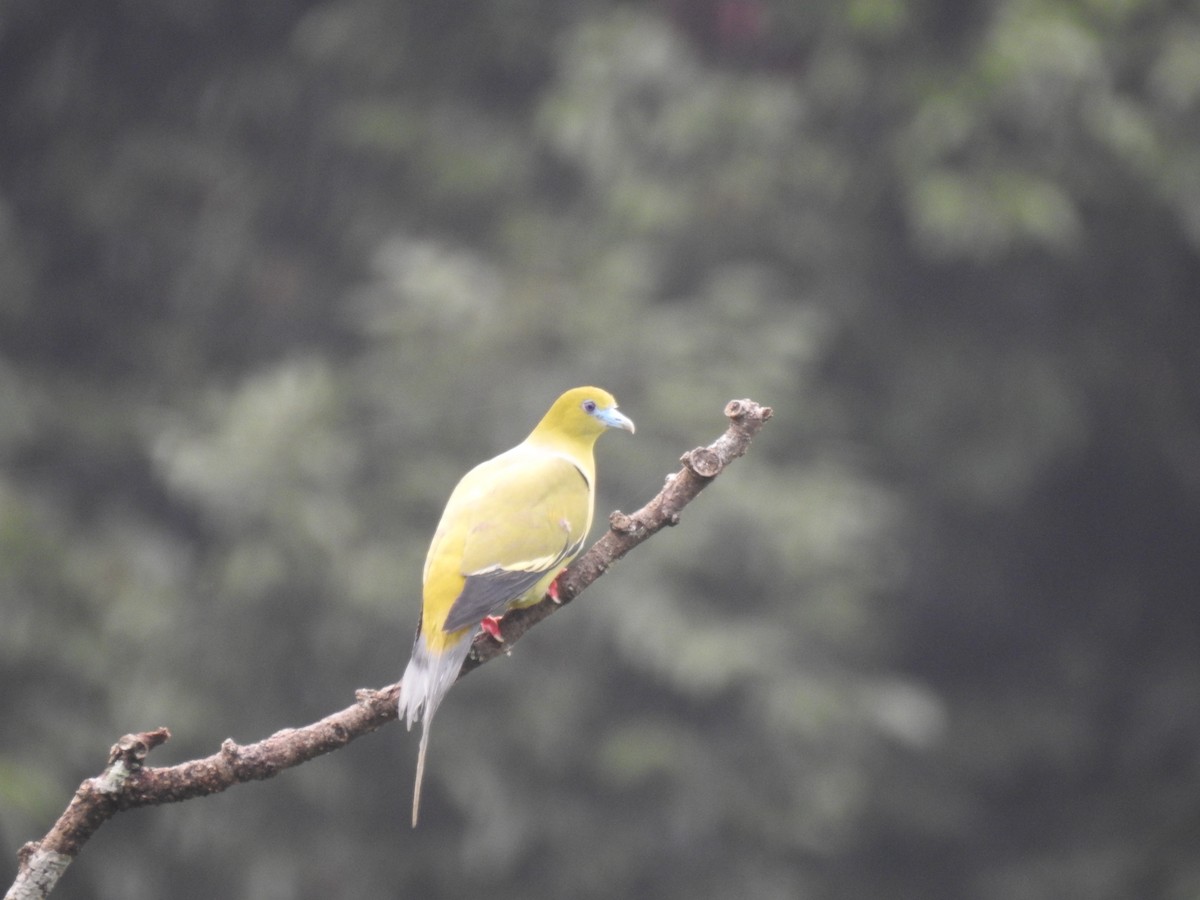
{"x": 589, "y": 406}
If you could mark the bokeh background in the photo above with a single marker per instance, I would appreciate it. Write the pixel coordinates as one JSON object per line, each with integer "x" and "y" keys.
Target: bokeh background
{"x": 274, "y": 274}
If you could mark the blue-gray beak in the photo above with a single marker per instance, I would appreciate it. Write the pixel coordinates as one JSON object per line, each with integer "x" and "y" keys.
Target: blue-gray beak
{"x": 614, "y": 418}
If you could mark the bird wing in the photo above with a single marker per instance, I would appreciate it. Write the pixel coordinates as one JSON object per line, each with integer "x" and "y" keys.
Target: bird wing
{"x": 511, "y": 522}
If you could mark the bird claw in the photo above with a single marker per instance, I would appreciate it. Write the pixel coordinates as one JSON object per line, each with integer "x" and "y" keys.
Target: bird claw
{"x": 552, "y": 592}
{"x": 491, "y": 624}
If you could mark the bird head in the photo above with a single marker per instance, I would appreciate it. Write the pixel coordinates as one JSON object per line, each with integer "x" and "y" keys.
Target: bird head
{"x": 582, "y": 414}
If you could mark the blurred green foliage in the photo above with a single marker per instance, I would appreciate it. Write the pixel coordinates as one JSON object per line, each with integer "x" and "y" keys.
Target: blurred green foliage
{"x": 273, "y": 275}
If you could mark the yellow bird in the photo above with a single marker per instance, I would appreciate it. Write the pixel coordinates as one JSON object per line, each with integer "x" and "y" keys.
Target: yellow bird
{"x": 509, "y": 528}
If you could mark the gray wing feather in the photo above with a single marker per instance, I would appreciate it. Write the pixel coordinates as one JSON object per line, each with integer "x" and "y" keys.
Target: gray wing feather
{"x": 490, "y": 593}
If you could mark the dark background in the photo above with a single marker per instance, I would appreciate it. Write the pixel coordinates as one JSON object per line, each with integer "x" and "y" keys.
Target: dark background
{"x": 274, "y": 274}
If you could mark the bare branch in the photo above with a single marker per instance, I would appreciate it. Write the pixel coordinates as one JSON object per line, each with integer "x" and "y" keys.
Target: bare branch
{"x": 126, "y": 783}
{"x": 700, "y": 467}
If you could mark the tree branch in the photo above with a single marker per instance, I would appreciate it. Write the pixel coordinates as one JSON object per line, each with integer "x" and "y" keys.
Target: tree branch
{"x": 126, "y": 783}
{"x": 700, "y": 467}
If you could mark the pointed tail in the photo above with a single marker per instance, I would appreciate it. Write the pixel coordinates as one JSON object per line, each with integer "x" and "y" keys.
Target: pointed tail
{"x": 426, "y": 680}
{"x": 420, "y": 771}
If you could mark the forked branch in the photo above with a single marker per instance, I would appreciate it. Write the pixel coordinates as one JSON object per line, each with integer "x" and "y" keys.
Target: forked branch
{"x": 127, "y": 783}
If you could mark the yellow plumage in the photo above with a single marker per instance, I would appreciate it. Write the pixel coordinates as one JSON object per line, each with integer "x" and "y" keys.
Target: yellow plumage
{"x": 510, "y": 526}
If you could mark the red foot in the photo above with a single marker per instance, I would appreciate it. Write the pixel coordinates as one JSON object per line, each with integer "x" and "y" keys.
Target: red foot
{"x": 491, "y": 624}
{"x": 552, "y": 591}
